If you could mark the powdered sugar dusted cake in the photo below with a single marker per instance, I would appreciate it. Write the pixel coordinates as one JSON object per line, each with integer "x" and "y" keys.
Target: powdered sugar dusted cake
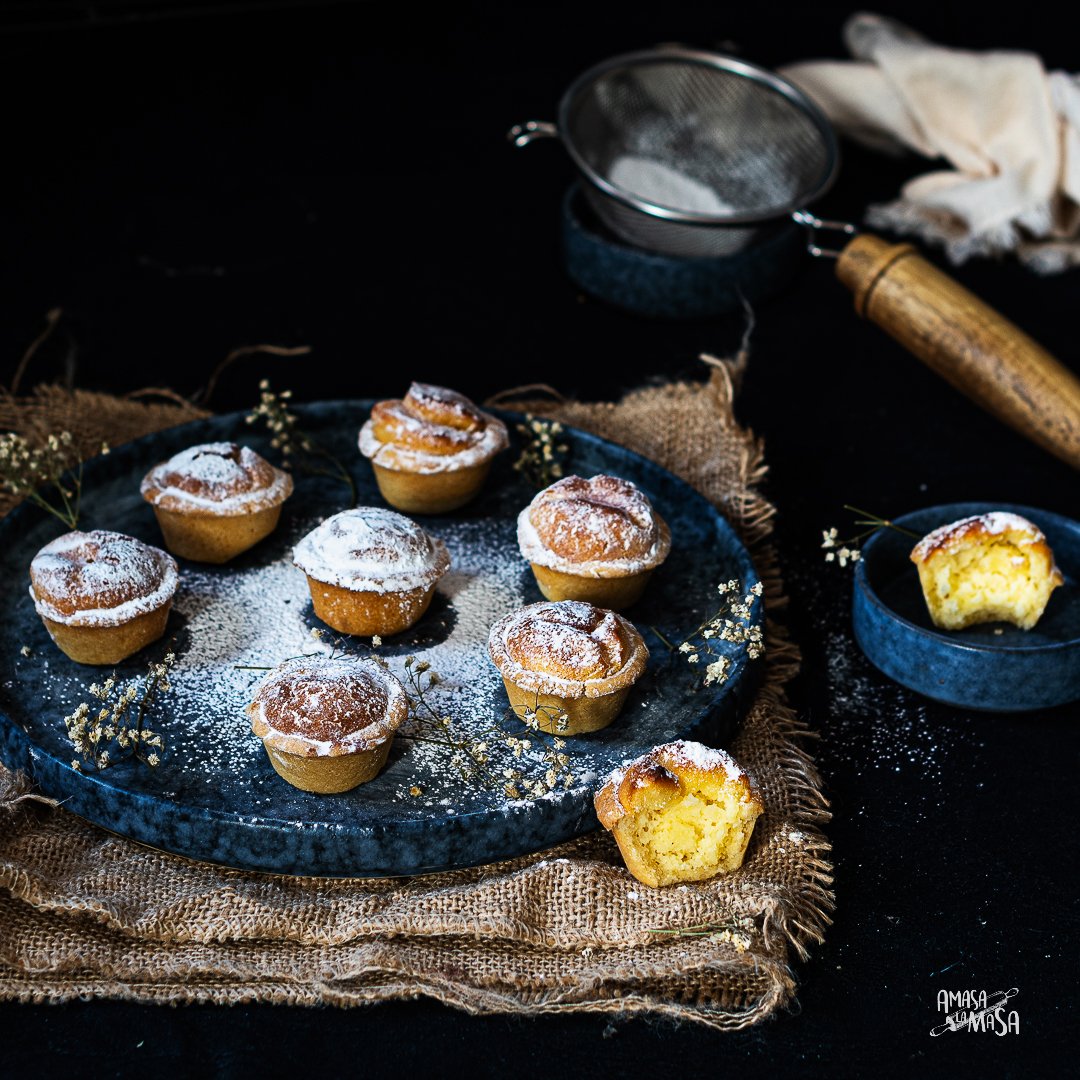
{"x": 100, "y": 578}
{"x": 371, "y": 571}
{"x": 215, "y": 500}
{"x": 682, "y": 811}
{"x": 220, "y": 478}
{"x": 327, "y": 722}
{"x": 370, "y": 549}
{"x": 569, "y": 665}
{"x": 597, "y": 540}
{"x": 431, "y": 451}
{"x": 431, "y": 430}
{"x": 102, "y": 595}
{"x": 986, "y": 568}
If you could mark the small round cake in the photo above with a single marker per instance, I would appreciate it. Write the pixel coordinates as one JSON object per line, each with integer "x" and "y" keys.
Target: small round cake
{"x": 567, "y": 666}
{"x": 432, "y": 450}
{"x": 215, "y": 500}
{"x": 102, "y": 595}
{"x": 597, "y": 540}
{"x": 988, "y": 568}
{"x": 371, "y": 571}
{"x": 681, "y": 812}
{"x": 327, "y": 722}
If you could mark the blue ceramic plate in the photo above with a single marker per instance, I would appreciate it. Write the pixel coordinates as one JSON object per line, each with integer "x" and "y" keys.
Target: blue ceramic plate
{"x": 995, "y": 666}
{"x": 215, "y": 797}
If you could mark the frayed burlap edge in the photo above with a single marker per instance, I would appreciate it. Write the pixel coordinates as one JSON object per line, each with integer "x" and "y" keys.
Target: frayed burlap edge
{"x": 68, "y": 931}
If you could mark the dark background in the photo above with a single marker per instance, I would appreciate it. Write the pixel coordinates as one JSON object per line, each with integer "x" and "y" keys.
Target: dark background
{"x": 183, "y": 179}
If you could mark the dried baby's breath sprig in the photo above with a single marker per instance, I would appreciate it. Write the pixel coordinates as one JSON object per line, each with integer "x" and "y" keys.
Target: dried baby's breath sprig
{"x": 553, "y": 756}
{"x": 844, "y": 551}
{"x": 732, "y": 623}
{"x": 738, "y": 932}
{"x": 468, "y": 755}
{"x": 114, "y": 729}
{"x": 40, "y": 473}
{"x": 297, "y": 447}
{"x": 490, "y": 757}
{"x": 542, "y": 455}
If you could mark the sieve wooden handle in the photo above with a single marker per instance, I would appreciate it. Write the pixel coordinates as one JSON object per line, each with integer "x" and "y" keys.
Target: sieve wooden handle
{"x": 965, "y": 341}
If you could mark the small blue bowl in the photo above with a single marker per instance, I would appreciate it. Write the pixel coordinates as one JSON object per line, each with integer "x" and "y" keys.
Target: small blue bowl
{"x": 667, "y": 286}
{"x": 994, "y": 667}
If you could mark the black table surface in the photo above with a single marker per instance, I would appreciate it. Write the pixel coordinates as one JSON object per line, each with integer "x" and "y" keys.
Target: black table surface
{"x": 184, "y": 179}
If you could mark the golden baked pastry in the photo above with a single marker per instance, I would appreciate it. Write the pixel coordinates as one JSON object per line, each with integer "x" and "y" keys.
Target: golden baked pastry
{"x": 567, "y": 665}
{"x": 215, "y": 500}
{"x": 371, "y": 571}
{"x": 102, "y": 595}
{"x": 681, "y": 812}
{"x": 327, "y": 722}
{"x": 991, "y": 567}
{"x": 432, "y": 450}
{"x": 597, "y": 540}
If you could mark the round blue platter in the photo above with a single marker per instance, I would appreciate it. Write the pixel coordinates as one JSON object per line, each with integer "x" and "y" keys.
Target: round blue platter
{"x": 215, "y": 797}
{"x": 994, "y": 667}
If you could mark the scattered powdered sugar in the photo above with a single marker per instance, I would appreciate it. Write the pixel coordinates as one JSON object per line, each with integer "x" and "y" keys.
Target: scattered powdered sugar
{"x": 370, "y": 549}
{"x": 125, "y": 576}
{"x": 241, "y": 623}
{"x": 233, "y": 625}
{"x": 661, "y": 184}
{"x": 878, "y": 725}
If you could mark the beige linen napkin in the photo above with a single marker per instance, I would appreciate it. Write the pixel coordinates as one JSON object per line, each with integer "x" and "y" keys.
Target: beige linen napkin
{"x": 1009, "y": 130}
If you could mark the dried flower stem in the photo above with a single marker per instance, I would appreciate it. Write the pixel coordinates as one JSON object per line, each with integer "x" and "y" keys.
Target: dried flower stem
{"x": 472, "y": 755}
{"x": 119, "y": 722}
{"x": 469, "y": 756}
{"x": 40, "y": 474}
{"x": 542, "y": 457}
{"x": 732, "y": 623}
{"x": 736, "y": 932}
{"x": 285, "y": 435}
{"x": 845, "y": 551}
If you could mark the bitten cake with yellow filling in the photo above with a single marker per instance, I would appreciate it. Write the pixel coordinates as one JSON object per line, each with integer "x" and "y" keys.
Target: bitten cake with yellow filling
{"x": 431, "y": 450}
{"x": 215, "y": 500}
{"x": 681, "y": 812}
{"x": 597, "y": 540}
{"x": 327, "y": 722}
{"x": 371, "y": 571}
{"x": 102, "y": 595}
{"x": 988, "y": 568}
{"x": 567, "y": 666}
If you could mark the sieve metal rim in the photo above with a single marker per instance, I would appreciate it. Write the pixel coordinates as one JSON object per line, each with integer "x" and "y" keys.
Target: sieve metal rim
{"x": 723, "y": 62}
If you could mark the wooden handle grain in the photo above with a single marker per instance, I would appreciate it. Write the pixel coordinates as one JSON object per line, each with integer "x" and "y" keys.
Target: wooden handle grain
{"x": 967, "y": 342}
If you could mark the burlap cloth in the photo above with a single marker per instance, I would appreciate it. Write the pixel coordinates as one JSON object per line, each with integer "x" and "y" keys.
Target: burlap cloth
{"x": 84, "y": 913}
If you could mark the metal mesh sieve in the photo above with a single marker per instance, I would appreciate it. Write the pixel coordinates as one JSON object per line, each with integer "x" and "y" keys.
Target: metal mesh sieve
{"x": 690, "y": 153}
